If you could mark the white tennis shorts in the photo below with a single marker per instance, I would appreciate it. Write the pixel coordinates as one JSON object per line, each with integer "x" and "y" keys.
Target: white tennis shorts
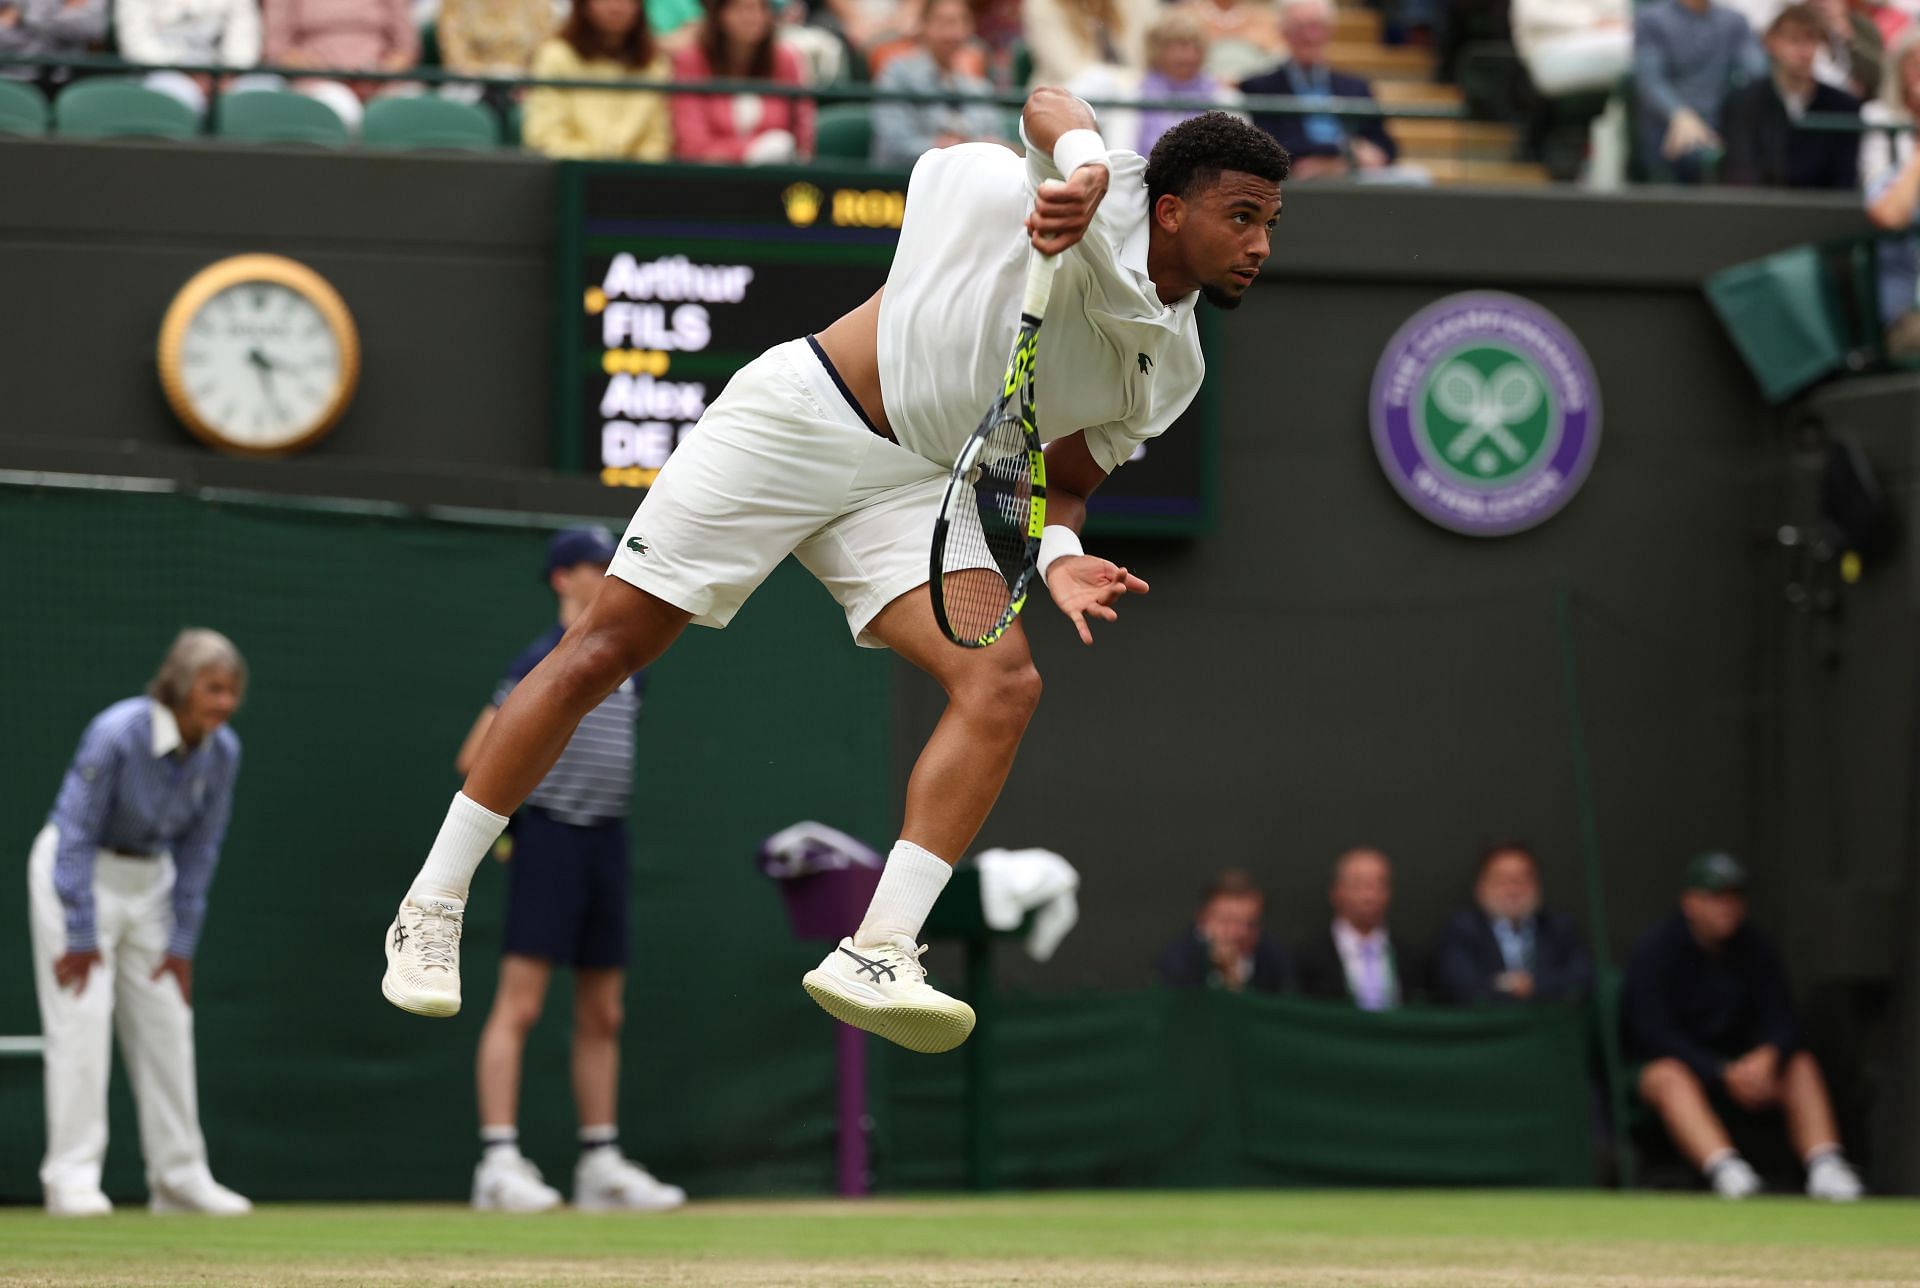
{"x": 782, "y": 463}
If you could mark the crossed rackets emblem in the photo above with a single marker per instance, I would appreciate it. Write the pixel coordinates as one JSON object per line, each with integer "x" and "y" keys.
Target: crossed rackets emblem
{"x": 1488, "y": 406}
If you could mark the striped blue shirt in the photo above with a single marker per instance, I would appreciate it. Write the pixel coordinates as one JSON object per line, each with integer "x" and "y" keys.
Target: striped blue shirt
{"x": 592, "y": 782}
{"x": 134, "y": 786}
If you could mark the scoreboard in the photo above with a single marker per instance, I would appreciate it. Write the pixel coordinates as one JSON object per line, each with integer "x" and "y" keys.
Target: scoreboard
{"x": 671, "y": 278}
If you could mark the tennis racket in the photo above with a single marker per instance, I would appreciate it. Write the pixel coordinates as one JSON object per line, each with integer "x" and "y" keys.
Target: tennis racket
{"x": 987, "y": 537}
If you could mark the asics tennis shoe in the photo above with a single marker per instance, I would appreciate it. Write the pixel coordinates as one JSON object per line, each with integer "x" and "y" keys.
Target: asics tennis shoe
{"x": 883, "y": 989}
{"x": 509, "y": 1182}
{"x": 423, "y": 957}
{"x": 604, "y": 1181}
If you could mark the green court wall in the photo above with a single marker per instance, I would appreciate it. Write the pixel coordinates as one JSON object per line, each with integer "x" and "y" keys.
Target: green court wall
{"x": 373, "y": 641}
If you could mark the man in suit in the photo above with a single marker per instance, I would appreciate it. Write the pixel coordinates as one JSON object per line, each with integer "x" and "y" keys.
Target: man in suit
{"x": 1357, "y": 960}
{"x": 1321, "y": 144}
{"x": 1766, "y": 145}
{"x": 1227, "y": 948}
{"x": 1507, "y": 948}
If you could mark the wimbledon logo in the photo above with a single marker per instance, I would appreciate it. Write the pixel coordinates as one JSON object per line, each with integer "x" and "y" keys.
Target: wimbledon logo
{"x": 1486, "y": 414}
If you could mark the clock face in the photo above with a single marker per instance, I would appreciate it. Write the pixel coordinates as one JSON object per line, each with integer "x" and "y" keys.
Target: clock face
{"x": 260, "y": 366}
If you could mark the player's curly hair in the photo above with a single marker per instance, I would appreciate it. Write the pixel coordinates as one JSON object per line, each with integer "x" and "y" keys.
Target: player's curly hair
{"x": 1195, "y": 152}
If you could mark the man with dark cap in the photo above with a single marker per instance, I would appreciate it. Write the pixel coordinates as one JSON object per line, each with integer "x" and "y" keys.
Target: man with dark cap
{"x": 1708, "y": 1008}
{"x": 567, "y": 894}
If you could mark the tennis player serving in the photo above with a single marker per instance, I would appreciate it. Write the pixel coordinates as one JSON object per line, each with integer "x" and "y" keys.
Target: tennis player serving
{"x": 836, "y": 448}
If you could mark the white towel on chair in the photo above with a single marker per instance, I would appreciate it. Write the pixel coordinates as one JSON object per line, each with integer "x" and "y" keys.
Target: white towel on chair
{"x": 1016, "y": 882}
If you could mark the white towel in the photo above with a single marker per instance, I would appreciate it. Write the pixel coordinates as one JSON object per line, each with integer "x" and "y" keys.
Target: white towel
{"x": 1016, "y": 882}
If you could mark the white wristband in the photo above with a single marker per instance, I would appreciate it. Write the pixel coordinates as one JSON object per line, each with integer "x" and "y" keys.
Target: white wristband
{"x": 1076, "y": 148}
{"x": 1057, "y": 541}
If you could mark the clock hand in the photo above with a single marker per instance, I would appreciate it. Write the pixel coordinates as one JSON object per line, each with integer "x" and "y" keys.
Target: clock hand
{"x": 264, "y": 370}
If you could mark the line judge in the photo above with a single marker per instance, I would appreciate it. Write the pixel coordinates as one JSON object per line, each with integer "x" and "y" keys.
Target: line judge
{"x": 117, "y": 884}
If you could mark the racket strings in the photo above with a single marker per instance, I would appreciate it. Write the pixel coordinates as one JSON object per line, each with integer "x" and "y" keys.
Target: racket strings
{"x": 985, "y": 561}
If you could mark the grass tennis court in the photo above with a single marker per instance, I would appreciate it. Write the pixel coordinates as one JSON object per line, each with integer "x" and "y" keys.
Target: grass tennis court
{"x": 1482, "y": 1240}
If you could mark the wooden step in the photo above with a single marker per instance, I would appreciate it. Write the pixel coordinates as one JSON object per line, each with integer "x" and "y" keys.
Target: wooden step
{"x": 1381, "y": 62}
{"x": 1360, "y": 26}
{"x": 1422, "y": 93}
{"x": 1458, "y": 170}
{"x": 1479, "y": 140}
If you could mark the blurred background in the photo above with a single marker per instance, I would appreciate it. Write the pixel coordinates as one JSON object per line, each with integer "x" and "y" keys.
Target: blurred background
{"x": 553, "y": 250}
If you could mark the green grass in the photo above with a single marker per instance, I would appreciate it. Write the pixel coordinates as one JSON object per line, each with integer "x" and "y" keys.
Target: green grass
{"x": 1252, "y": 1237}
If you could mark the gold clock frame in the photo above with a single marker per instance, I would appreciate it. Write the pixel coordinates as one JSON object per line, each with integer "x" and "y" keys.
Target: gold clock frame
{"x": 236, "y": 271}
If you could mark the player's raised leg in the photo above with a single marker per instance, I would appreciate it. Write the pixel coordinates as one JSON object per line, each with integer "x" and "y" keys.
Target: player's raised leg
{"x": 622, "y": 631}
{"x": 873, "y": 980}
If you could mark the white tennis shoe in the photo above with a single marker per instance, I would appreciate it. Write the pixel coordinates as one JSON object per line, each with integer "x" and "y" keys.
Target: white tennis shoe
{"x": 603, "y": 1181}
{"x": 197, "y": 1193}
{"x": 63, "y": 1201}
{"x": 883, "y": 989}
{"x": 511, "y": 1183}
{"x": 1735, "y": 1178}
{"x": 1832, "y": 1178}
{"x": 423, "y": 957}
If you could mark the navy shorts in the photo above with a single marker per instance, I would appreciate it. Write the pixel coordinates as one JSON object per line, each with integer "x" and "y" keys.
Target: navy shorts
{"x": 567, "y": 890}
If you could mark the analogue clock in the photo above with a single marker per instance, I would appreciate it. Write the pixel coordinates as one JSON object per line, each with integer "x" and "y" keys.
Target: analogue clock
{"x": 258, "y": 355}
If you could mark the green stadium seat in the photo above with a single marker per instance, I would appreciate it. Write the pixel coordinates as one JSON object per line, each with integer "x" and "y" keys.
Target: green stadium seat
{"x": 23, "y": 109}
{"x": 275, "y": 116}
{"x": 844, "y": 132}
{"x": 102, "y": 109}
{"x": 429, "y": 123}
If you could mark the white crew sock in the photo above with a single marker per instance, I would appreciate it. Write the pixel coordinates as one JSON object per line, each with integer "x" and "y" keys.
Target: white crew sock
{"x": 469, "y": 832}
{"x": 909, "y": 884}
{"x": 1725, "y": 1154}
{"x": 499, "y": 1144}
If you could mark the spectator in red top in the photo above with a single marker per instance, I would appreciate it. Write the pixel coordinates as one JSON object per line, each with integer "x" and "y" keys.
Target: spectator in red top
{"x": 737, "y": 43}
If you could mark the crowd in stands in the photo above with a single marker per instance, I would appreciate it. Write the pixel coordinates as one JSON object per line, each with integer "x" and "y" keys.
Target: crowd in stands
{"x": 1712, "y": 91}
{"x": 1705, "y": 1012}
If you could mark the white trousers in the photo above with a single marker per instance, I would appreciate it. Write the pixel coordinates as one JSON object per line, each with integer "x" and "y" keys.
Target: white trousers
{"x": 133, "y": 915}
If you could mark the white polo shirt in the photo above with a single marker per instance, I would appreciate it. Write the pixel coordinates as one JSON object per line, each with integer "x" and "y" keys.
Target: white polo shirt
{"x": 1113, "y": 359}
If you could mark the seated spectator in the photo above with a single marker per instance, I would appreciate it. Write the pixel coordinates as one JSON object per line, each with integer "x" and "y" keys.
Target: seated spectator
{"x": 1688, "y": 55}
{"x": 343, "y": 35}
{"x": 1574, "y": 46}
{"x": 1095, "y": 48}
{"x": 1322, "y": 144}
{"x": 737, "y": 43}
{"x": 1851, "y": 54}
{"x": 219, "y": 33}
{"x": 601, "y": 40}
{"x": 1242, "y": 36}
{"x": 1507, "y": 947}
{"x": 1227, "y": 948}
{"x": 494, "y": 37}
{"x": 49, "y": 29}
{"x": 1890, "y": 177}
{"x": 1357, "y": 960}
{"x": 1765, "y": 145}
{"x": 902, "y": 130}
{"x": 1707, "y": 1007}
{"x": 1176, "y": 58}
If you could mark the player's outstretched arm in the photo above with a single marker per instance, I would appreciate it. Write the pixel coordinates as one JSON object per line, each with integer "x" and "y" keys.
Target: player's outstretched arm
{"x": 1082, "y": 585}
{"x": 1063, "y": 211}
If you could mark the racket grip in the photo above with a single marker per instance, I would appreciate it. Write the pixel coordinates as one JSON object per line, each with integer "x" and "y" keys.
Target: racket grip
{"x": 1040, "y": 271}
